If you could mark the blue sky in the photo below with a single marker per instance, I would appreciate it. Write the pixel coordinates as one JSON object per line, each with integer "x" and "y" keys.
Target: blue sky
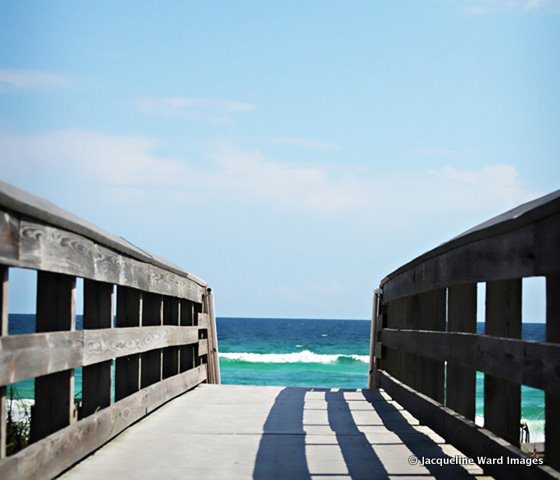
{"x": 290, "y": 153}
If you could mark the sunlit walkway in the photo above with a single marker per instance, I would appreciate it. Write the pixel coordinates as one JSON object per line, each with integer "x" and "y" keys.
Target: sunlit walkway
{"x": 222, "y": 431}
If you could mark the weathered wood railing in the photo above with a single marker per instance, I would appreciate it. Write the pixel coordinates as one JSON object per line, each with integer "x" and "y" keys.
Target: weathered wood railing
{"x": 426, "y": 349}
{"x": 158, "y": 343}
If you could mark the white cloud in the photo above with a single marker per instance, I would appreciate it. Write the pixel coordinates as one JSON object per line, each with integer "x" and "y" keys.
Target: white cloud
{"x": 207, "y": 109}
{"x": 305, "y": 143}
{"x": 479, "y": 7}
{"x": 231, "y": 174}
{"x": 25, "y": 79}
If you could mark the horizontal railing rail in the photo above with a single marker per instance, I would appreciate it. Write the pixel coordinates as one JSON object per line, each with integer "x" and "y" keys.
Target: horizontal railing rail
{"x": 148, "y": 334}
{"x": 425, "y": 349}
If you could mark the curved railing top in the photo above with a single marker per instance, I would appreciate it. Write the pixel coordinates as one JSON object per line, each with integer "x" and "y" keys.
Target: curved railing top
{"x": 437, "y": 267}
{"x": 26, "y": 204}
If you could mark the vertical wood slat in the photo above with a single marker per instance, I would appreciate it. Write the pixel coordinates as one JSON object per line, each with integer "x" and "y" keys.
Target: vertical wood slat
{"x": 197, "y": 308}
{"x": 394, "y": 319}
{"x": 214, "y": 338}
{"x": 552, "y": 402}
{"x": 411, "y": 363}
{"x": 4, "y": 272}
{"x": 209, "y": 357}
{"x": 460, "y": 394}
{"x": 502, "y": 399}
{"x": 54, "y": 394}
{"x": 374, "y": 333}
{"x": 171, "y": 313}
{"x": 186, "y": 352}
{"x": 127, "y": 369}
{"x": 96, "y": 379}
{"x": 431, "y": 310}
{"x": 152, "y": 314}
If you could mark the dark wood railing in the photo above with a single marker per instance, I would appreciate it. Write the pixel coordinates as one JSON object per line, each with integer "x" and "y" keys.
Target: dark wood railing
{"x": 162, "y": 341}
{"x": 426, "y": 350}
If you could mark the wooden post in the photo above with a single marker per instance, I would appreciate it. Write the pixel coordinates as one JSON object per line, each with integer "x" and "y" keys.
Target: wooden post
{"x": 96, "y": 379}
{"x": 186, "y": 352}
{"x": 152, "y": 314}
{"x": 502, "y": 399}
{"x": 213, "y": 339}
{"x": 54, "y": 393}
{"x": 394, "y": 319}
{"x": 171, "y": 313}
{"x": 432, "y": 306}
{"x": 208, "y": 336}
{"x": 461, "y": 381}
{"x": 410, "y": 363}
{"x": 4, "y": 272}
{"x": 127, "y": 369}
{"x": 197, "y": 308}
{"x": 552, "y": 402}
{"x": 375, "y": 327}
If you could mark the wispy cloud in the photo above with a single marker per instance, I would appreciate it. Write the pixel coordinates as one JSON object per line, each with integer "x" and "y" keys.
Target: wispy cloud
{"x": 305, "y": 143}
{"x": 11, "y": 79}
{"x": 481, "y": 7}
{"x": 210, "y": 109}
{"x": 234, "y": 174}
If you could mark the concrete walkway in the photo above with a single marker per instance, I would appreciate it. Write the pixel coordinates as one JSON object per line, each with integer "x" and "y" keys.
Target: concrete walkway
{"x": 232, "y": 432}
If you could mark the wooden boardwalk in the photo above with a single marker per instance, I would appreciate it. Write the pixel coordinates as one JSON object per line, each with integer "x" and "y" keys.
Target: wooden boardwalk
{"x": 229, "y": 432}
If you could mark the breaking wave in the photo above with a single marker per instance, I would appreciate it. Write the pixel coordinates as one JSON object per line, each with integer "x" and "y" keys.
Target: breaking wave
{"x": 304, "y": 356}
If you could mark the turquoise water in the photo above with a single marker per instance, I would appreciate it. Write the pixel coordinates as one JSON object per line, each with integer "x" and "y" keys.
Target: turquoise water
{"x": 310, "y": 353}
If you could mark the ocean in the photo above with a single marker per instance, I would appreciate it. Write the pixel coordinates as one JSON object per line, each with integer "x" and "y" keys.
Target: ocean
{"x": 305, "y": 352}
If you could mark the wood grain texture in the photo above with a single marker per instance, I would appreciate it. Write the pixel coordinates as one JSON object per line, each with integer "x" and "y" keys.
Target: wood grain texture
{"x": 37, "y": 354}
{"x": 129, "y": 315}
{"x": 460, "y": 392}
{"x": 51, "y": 456}
{"x": 552, "y": 400}
{"x": 98, "y": 314}
{"x": 23, "y": 204}
{"x": 502, "y": 398}
{"x": 54, "y": 393}
{"x": 536, "y": 364}
{"x": 9, "y": 238}
{"x": 106, "y": 344}
{"x": 54, "y": 250}
{"x": 32, "y": 244}
{"x": 473, "y": 441}
{"x": 152, "y": 314}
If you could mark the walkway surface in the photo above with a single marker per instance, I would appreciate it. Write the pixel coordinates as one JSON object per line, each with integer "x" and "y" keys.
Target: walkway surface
{"x": 231, "y": 432}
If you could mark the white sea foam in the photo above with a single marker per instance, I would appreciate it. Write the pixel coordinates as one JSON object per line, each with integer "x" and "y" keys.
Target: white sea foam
{"x": 304, "y": 356}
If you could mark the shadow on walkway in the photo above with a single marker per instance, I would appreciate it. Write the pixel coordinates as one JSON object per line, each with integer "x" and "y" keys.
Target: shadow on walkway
{"x": 282, "y": 452}
{"x": 282, "y": 448}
